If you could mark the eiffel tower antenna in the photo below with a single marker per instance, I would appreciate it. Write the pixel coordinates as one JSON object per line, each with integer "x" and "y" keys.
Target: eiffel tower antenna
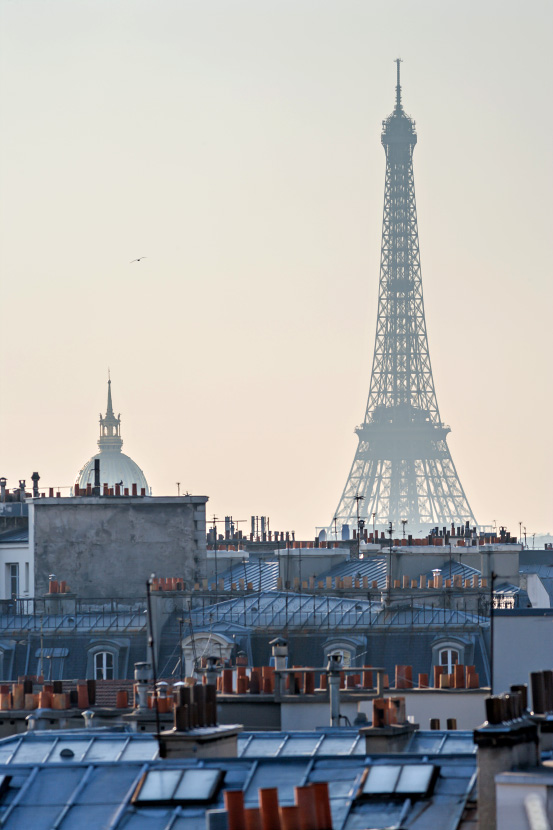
{"x": 402, "y": 468}
{"x": 398, "y": 87}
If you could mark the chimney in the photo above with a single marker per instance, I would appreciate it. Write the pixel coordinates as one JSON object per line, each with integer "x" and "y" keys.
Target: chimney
{"x": 390, "y": 730}
{"x": 195, "y": 733}
{"x": 96, "y": 491}
{"x": 3, "y": 482}
{"x": 35, "y": 479}
{"x": 142, "y": 677}
{"x": 279, "y": 648}
{"x": 542, "y": 706}
{"x": 509, "y": 738}
{"x": 333, "y": 673}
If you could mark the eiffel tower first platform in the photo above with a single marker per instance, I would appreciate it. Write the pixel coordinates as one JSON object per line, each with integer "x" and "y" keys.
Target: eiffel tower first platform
{"x": 402, "y": 470}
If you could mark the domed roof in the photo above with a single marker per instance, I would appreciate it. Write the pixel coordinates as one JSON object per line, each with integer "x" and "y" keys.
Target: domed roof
{"x": 115, "y": 466}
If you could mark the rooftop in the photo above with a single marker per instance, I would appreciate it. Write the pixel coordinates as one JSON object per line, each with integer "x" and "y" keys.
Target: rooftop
{"x": 278, "y": 610}
{"x": 92, "y": 784}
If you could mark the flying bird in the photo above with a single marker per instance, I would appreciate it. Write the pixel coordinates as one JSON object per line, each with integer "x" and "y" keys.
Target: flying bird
{"x": 138, "y": 259}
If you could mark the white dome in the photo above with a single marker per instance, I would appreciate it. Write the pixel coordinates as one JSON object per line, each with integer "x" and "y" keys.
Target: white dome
{"x": 115, "y": 467}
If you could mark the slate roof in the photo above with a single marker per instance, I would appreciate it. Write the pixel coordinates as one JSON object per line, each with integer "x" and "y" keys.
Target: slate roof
{"x": 91, "y": 789}
{"x": 374, "y": 568}
{"x": 18, "y": 534}
{"x": 263, "y": 574}
{"x": 101, "y": 620}
{"x": 278, "y": 610}
{"x": 466, "y": 571}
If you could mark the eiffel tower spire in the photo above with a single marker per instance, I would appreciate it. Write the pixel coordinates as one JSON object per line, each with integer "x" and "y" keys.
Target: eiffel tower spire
{"x": 402, "y": 468}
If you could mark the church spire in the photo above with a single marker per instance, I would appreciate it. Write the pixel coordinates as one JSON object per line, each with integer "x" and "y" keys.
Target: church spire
{"x": 110, "y": 405}
{"x": 110, "y": 426}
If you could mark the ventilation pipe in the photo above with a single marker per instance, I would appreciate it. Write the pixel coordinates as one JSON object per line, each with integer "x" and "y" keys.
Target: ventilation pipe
{"x": 279, "y": 647}
{"x": 333, "y": 672}
{"x": 142, "y": 677}
{"x": 35, "y": 479}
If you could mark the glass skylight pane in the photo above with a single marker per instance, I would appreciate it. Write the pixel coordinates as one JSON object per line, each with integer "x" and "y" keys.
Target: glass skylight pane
{"x": 197, "y": 785}
{"x": 160, "y": 785}
{"x": 382, "y": 779}
{"x": 415, "y": 778}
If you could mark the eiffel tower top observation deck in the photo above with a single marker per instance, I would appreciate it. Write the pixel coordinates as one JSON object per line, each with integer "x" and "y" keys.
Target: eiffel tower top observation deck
{"x": 402, "y": 470}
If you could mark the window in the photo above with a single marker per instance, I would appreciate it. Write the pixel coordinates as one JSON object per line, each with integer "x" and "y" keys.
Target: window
{"x": 402, "y": 780}
{"x": 449, "y": 657}
{"x": 50, "y": 662}
{"x": 12, "y": 580}
{"x": 107, "y": 658}
{"x": 173, "y": 786}
{"x": 103, "y": 665}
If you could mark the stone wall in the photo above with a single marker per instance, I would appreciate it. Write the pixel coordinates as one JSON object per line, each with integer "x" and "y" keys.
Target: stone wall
{"x": 109, "y": 546}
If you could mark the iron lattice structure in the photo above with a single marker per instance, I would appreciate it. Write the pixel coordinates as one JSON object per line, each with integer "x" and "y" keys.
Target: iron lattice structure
{"x": 402, "y": 470}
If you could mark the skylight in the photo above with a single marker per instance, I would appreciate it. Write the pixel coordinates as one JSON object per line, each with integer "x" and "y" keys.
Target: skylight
{"x": 175, "y": 786}
{"x": 401, "y": 780}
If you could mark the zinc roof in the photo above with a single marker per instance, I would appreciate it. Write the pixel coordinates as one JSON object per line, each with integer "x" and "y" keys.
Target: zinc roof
{"x": 278, "y": 609}
{"x": 95, "y": 792}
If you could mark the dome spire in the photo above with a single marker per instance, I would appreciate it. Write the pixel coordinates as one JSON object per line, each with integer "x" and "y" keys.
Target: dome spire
{"x": 110, "y": 426}
{"x": 109, "y": 410}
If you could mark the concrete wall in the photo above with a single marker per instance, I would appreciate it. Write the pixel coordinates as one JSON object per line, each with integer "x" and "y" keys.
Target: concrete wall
{"x": 501, "y": 559}
{"x": 512, "y": 790}
{"x": 523, "y": 643}
{"x": 466, "y": 705}
{"x": 297, "y": 715}
{"x": 108, "y": 547}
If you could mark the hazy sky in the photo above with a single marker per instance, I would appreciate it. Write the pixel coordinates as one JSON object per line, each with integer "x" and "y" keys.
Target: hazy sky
{"x": 236, "y": 144}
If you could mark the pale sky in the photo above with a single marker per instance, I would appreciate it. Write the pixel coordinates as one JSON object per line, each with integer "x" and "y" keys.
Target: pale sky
{"x": 236, "y": 145}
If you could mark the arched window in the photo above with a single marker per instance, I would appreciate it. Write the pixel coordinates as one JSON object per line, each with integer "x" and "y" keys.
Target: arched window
{"x": 103, "y": 665}
{"x": 449, "y": 657}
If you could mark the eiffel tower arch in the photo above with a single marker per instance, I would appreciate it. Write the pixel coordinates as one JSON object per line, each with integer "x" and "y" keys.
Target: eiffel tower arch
{"x": 402, "y": 469}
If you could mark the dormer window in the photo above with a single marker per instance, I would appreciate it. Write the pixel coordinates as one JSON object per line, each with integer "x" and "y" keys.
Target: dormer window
{"x": 449, "y": 657}
{"x": 103, "y": 665}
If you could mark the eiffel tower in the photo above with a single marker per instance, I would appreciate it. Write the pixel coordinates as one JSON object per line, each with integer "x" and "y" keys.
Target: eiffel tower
{"x": 402, "y": 470}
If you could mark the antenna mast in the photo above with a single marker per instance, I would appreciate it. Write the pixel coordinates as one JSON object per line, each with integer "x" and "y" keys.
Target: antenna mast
{"x": 398, "y": 61}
